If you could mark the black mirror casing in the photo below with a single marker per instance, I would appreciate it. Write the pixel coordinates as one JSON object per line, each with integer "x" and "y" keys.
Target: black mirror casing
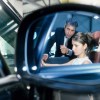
{"x": 27, "y": 56}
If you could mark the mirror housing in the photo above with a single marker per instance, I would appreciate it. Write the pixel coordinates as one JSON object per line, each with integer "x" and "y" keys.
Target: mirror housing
{"x": 28, "y": 56}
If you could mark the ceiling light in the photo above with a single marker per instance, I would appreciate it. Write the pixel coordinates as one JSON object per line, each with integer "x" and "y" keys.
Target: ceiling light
{"x": 10, "y": 22}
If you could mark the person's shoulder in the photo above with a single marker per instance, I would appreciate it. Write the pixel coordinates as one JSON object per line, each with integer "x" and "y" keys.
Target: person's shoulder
{"x": 59, "y": 29}
{"x": 87, "y": 62}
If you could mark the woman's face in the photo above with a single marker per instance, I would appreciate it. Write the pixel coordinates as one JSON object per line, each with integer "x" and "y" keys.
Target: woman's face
{"x": 79, "y": 48}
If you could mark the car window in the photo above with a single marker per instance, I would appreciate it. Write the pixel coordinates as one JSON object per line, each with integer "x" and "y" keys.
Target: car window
{"x": 8, "y": 32}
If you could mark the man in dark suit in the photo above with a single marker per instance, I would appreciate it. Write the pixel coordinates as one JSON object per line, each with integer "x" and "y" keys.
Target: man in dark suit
{"x": 63, "y": 40}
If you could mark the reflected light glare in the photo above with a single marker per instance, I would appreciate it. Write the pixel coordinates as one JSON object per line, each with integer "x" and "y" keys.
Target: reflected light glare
{"x": 15, "y": 24}
{"x": 24, "y": 68}
{"x": 35, "y": 35}
{"x": 15, "y": 69}
{"x": 5, "y": 1}
{"x": 10, "y": 22}
{"x": 34, "y": 68}
{"x": 19, "y": 77}
{"x": 0, "y": 7}
{"x": 28, "y": 87}
{"x": 16, "y": 30}
{"x": 96, "y": 17}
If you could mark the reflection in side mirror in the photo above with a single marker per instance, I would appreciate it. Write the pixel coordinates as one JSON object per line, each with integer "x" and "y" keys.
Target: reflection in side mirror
{"x": 45, "y": 31}
{"x": 54, "y": 24}
{"x": 63, "y": 27}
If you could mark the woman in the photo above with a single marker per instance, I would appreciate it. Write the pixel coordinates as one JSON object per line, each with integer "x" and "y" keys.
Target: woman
{"x": 82, "y": 44}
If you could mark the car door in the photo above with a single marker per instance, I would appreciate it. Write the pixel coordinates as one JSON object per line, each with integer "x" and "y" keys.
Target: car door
{"x": 11, "y": 88}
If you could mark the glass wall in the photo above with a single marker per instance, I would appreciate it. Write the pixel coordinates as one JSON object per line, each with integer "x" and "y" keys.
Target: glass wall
{"x": 8, "y": 32}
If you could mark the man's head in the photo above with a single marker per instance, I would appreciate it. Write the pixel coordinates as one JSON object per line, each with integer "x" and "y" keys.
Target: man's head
{"x": 70, "y": 28}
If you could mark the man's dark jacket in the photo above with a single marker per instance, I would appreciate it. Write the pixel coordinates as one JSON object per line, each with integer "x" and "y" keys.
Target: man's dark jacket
{"x": 58, "y": 37}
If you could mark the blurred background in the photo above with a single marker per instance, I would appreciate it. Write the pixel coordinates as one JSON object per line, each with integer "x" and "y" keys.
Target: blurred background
{"x": 24, "y": 7}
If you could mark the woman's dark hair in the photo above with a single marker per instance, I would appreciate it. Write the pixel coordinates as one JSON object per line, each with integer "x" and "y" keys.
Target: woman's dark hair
{"x": 84, "y": 38}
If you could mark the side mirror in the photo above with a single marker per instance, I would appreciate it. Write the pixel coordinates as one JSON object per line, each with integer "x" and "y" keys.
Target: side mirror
{"x": 33, "y": 35}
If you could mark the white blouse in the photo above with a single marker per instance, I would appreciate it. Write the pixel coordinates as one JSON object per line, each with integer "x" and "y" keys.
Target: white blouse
{"x": 79, "y": 61}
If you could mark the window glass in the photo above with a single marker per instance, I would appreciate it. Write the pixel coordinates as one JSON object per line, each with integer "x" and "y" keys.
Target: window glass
{"x": 8, "y": 32}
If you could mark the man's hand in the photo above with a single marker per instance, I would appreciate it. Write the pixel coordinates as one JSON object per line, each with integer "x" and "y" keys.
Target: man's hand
{"x": 64, "y": 49}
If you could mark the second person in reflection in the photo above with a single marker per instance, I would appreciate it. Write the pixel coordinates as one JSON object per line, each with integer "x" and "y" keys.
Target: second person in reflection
{"x": 82, "y": 44}
{"x": 62, "y": 38}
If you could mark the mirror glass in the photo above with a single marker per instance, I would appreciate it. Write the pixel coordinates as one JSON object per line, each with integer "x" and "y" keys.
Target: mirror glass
{"x": 46, "y": 27}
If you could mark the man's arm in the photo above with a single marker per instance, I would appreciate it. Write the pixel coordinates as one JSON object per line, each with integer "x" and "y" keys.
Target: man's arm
{"x": 50, "y": 43}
